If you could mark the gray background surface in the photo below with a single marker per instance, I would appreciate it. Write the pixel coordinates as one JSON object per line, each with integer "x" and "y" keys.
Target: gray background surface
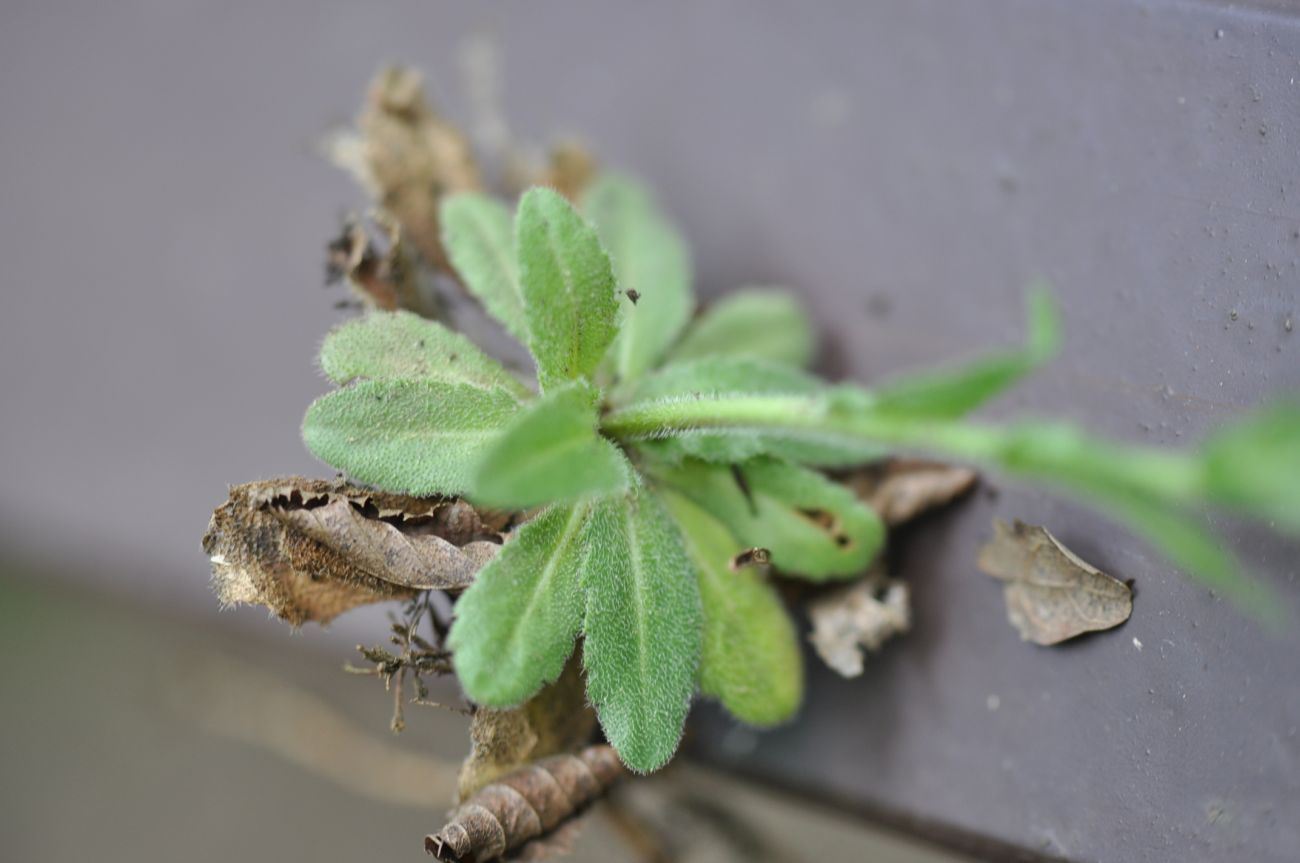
{"x": 906, "y": 166}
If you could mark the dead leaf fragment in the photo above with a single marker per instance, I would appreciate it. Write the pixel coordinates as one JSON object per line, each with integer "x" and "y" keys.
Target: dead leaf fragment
{"x": 1051, "y": 594}
{"x": 382, "y": 275}
{"x": 864, "y": 614}
{"x": 408, "y": 157}
{"x": 311, "y": 549}
{"x": 557, "y": 719}
{"x": 900, "y": 490}
{"x": 525, "y": 806}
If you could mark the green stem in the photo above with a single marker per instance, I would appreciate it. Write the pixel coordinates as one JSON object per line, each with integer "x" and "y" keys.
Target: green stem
{"x": 1056, "y": 454}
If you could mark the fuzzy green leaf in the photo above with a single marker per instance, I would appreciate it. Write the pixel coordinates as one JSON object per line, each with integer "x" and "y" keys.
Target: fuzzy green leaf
{"x": 568, "y": 287}
{"x": 709, "y": 377}
{"x": 951, "y": 394}
{"x": 516, "y": 625}
{"x": 813, "y": 527}
{"x": 551, "y": 452}
{"x": 752, "y": 322}
{"x": 1254, "y": 464}
{"x": 478, "y": 235}
{"x": 649, "y": 258}
{"x": 396, "y": 345}
{"x": 750, "y": 659}
{"x": 642, "y": 628}
{"x": 409, "y": 436}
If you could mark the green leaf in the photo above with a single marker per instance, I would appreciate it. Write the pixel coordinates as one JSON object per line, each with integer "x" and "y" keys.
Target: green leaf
{"x": 414, "y": 437}
{"x": 709, "y": 377}
{"x": 813, "y": 527}
{"x": 396, "y": 345}
{"x": 752, "y": 322}
{"x": 568, "y": 287}
{"x": 650, "y": 258}
{"x": 951, "y": 394}
{"x": 550, "y": 452}
{"x": 516, "y": 625}
{"x": 1190, "y": 547}
{"x": 642, "y": 628}
{"x": 751, "y": 660}
{"x": 1254, "y": 464}
{"x": 479, "y": 238}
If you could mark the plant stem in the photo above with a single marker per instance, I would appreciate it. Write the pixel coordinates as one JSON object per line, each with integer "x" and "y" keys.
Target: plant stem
{"x": 1057, "y": 454}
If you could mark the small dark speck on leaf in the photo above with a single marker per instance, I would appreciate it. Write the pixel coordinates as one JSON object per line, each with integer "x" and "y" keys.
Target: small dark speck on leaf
{"x": 633, "y": 294}
{"x": 751, "y": 557}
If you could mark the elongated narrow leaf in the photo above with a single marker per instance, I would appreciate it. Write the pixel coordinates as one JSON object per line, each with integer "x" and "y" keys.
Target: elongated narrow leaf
{"x": 415, "y": 437}
{"x": 750, "y": 659}
{"x": 551, "y": 452}
{"x": 397, "y": 345}
{"x": 479, "y": 237}
{"x": 752, "y": 322}
{"x": 567, "y": 285}
{"x": 813, "y": 527}
{"x": 516, "y": 625}
{"x": 651, "y": 262}
{"x": 708, "y": 377}
{"x": 642, "y": 628}
{"x": 1254, "y": 464}
{"x": 950, "y": 394}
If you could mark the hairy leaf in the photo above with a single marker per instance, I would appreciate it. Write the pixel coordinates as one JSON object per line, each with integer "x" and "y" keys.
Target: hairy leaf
{"x": 813, "y": 527}
{"x": 479, "y": 237}
{"x": 950, "y": 394}
{"x": 567, "y": 285}
{"x": 642, "y": 628}
{"x": 516, "y": 625}
{"x": 1254, "y": 464}
{"x": 410, "y": 436}
{"x": 750, "y": 659}
{"x": 651, "y": 263}
{"x": 752, "y": 322}
{"x": 397, "y": 345}
{"x": 551, "y": 453}
{"x": 709, "y": 377}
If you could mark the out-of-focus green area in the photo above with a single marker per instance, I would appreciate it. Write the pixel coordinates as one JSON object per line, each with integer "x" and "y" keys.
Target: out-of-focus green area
{"x": 131, "y": 734}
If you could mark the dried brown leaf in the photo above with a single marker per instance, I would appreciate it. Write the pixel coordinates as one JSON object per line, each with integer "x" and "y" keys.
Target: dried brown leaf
{"x": 900, "y": 490}
{"x": 408, "y": 157}
{"x": 571, "y": 169}
{"x": 1051, "y": 594}
{"x": 311, "y": 549}
{"x": 525, "y": 806}
{"x": 383, "y": 276}
{"x": 557, "y": 719}
{"x": 862, "y": 615}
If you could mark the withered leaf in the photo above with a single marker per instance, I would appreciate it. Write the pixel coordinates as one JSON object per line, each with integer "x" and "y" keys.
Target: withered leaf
{"x": 557, "y": 719}
{"x": 311, "y": 549}
{"x": 381, "y": 276}
{"x": 1051, "y": 594}
{"x": 900, "y": 490}
{"x": 408, "y": 157}
{"x": 862, "y": 615}
{"x": 525, "y": 806}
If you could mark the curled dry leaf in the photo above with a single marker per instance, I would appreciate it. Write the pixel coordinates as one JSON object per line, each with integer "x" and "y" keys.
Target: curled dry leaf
{"x": 525, "y": 806}
{"x": 557, "y": 719}
{"x": 1051, "y": 594}
{"x": 384, "y": 277}
{"x": 899, "y": 490}
{"x": 862, "y": 615}
{"x": 311, "y": 549}
{"x": 408, "y": 157}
